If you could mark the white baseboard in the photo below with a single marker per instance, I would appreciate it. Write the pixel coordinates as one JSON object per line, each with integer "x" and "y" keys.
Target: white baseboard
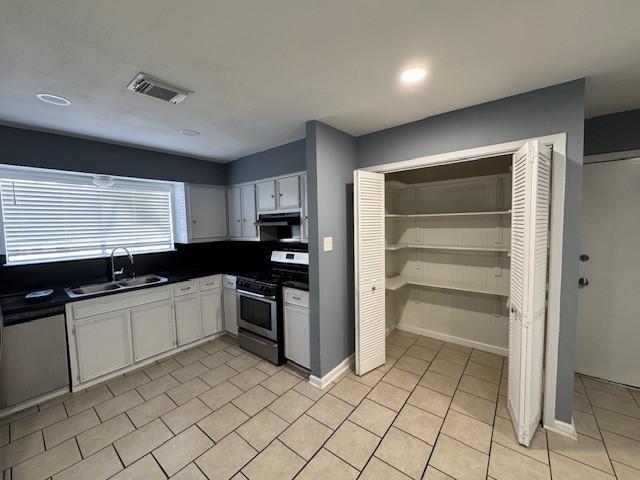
{"x": 453, "y": 339}
{"x": 338, "y": 370}
{"x": 563, "y": 428}
{"x": 389, "y": 330}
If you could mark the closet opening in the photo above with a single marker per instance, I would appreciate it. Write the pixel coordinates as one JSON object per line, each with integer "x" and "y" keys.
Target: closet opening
{"x": 447, "y": 246}
{"x": 459, "y": 250}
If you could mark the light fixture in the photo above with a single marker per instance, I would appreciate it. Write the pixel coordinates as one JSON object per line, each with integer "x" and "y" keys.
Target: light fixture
{"x": 413, "y": 74}
{"x": 53, "y": 99}
{"x": 190, "y": 133}
{"x": 103, "y": 181}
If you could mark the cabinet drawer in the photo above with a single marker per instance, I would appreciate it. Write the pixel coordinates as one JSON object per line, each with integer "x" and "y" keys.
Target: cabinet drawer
{"x": 296, "y": 297}
{"x": 210, "y": 282}
{"x": 185, "y": 288}
{"x": 229, "y": 282}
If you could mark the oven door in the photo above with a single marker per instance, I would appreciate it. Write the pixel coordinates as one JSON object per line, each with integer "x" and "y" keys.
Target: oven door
{"x": 258, "y": 314}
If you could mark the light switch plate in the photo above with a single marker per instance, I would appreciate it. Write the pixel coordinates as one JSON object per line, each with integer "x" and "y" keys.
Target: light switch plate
{"x": 328, "y": 244}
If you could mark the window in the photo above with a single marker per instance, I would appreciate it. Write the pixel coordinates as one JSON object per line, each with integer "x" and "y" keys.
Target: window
{"x": 51, "y": 216}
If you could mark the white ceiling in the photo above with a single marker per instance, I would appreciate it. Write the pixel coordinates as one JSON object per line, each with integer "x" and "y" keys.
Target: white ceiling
{"x": 260, "y": 69}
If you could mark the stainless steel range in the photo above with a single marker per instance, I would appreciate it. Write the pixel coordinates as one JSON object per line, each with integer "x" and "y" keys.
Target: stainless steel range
{"x": 260, "y": 327}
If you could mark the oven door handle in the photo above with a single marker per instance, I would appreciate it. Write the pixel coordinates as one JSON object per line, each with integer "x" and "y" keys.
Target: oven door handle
{"x": 256, "y": 295}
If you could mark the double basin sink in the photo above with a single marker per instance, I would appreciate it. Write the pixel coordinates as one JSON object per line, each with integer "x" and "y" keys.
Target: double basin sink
{"x": 124, "y": 284}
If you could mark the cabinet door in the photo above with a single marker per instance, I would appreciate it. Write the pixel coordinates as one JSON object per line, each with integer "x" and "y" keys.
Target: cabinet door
{"x": 188, "y": 322}
{"x": 249, "y": 229}
{"x": 296, "y": 335}
{"x": 152, "y": 329}
{"x": 207, "y": 212}
{"x": 211, "y": 309}
{"x": 288, "y": 192}
{"x": 235, "y": 212}
{"x": 231, "y": 311}
{"x": 103, "y": 344}
{"x": 266, "y": 193}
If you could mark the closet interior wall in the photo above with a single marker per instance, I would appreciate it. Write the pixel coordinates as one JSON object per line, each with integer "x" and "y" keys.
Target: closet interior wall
{"x": 447, "y": 257}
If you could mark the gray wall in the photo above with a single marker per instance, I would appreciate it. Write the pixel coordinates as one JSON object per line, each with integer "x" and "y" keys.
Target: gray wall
{"x": 287, "y": 158}
{"x": 612, "y": 133}
{"x": 47, "y": 150}
{"x": 541, "y": 112}
{"x": 331, "y": 159}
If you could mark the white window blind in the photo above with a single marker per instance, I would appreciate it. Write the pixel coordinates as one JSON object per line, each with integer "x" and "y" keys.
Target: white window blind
{"x": 59, "y": 216}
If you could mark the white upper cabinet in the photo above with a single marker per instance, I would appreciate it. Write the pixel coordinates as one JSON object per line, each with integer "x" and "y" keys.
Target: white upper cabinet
{"x": 266, "y": 195}
{"x": 288, "y": 192}
{"x": 207, "y": 212}
{"x": 235, "y": 212}
{"x": 248, "y": 194}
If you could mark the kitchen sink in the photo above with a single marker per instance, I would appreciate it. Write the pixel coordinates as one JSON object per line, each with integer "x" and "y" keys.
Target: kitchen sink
{"x": 125, "y": 284}
{"x": 141, "y": 280}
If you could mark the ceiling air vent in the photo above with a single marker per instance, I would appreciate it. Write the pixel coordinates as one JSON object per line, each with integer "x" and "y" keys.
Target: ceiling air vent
{"x": 148, "y": 85}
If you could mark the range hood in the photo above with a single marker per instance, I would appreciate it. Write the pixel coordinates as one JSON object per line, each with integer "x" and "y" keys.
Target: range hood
{"x": 278, "y": 219}
{"x": 279, "y": 226}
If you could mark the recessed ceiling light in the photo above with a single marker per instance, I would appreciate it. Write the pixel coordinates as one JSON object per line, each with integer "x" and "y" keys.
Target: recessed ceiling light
{"x": 413, "y": 75}
{"x": 53, "y": 99}
{"x": 190, "y": 133}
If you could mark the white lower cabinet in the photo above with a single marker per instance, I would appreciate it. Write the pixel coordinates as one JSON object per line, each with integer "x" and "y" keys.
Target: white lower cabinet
{"x": 152, "y": 329}
{"x": 109, "y": 335}
{"x": 211, "y": 311}
{"x": 296, "y": 327}
{"x": 188, "y": 320}
{"x": 103, "y": 345}
{"x": 230, "y": 311}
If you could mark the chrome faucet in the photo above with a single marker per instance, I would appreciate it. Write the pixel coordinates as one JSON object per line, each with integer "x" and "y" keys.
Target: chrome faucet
{"x": 115, "y": 272}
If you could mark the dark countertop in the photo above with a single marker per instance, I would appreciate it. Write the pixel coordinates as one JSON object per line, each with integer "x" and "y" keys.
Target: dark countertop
{"x": 296, "y": 285}
{"x": 16, "y": 309}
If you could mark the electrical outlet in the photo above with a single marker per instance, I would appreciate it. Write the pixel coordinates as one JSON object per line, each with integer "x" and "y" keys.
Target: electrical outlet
{"x": 328, "y": 244}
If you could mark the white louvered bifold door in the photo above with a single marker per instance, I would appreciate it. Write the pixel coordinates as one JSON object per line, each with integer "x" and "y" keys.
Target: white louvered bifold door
{"x": 529, "y": 233}
{"x": 369, "y": 270}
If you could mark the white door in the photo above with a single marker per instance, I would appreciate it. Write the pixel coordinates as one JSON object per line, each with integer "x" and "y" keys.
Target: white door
{"x": 305, "y": 207}
{"x": 288, "y": 192}
{"x": 249, "y": 229}
{"x": 266, "y": 195}
{"x": 103, "y": 344}
{"x": 296, "y": 335}
{"x": 207, "y": 211}
{"x": 211, "y": 309}
{"x": 152, "y": 329}
{"x": 529, "y": 231}
{"x": 230, "y": 311}
{"x": 235, "y": 212}
{"x": 188, "y": 322}
{"x": 369, "y": 270}
{"x": 608, "y": 332}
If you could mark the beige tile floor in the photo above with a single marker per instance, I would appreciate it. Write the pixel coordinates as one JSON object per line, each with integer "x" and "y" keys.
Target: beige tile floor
{"x": 434, "y": 411}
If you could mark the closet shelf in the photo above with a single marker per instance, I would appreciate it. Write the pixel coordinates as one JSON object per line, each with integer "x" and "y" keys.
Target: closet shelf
{"x": 451, "y": 214}
{"x": 395, "y": 283}
{"x": 469, "y": 248}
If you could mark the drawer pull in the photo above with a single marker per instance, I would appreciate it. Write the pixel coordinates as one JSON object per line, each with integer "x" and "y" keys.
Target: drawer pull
{"x": 295, "y": 297}
{"x": 184, "y": 289}
{"x": 209, "y": 284}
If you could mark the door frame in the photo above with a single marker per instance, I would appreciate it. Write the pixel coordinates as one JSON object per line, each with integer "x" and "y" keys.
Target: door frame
{"x": 558, "y": 144}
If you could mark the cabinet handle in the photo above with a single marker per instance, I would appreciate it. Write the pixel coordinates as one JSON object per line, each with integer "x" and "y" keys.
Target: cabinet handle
{"x": 295, "y": 297}
{"x": 281, "y": 194}
{"x": 238, "y": 220}
{"x": 208, "y": 284}
{"x": 184, "y": 289}
{"x": 194, "y": 221}
{"x": 272, "y": 195}
{"x": 244, "y": 219}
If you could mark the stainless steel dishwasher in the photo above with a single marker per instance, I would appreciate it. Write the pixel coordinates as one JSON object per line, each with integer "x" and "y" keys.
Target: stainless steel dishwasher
{"x": 33, "y": 359}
